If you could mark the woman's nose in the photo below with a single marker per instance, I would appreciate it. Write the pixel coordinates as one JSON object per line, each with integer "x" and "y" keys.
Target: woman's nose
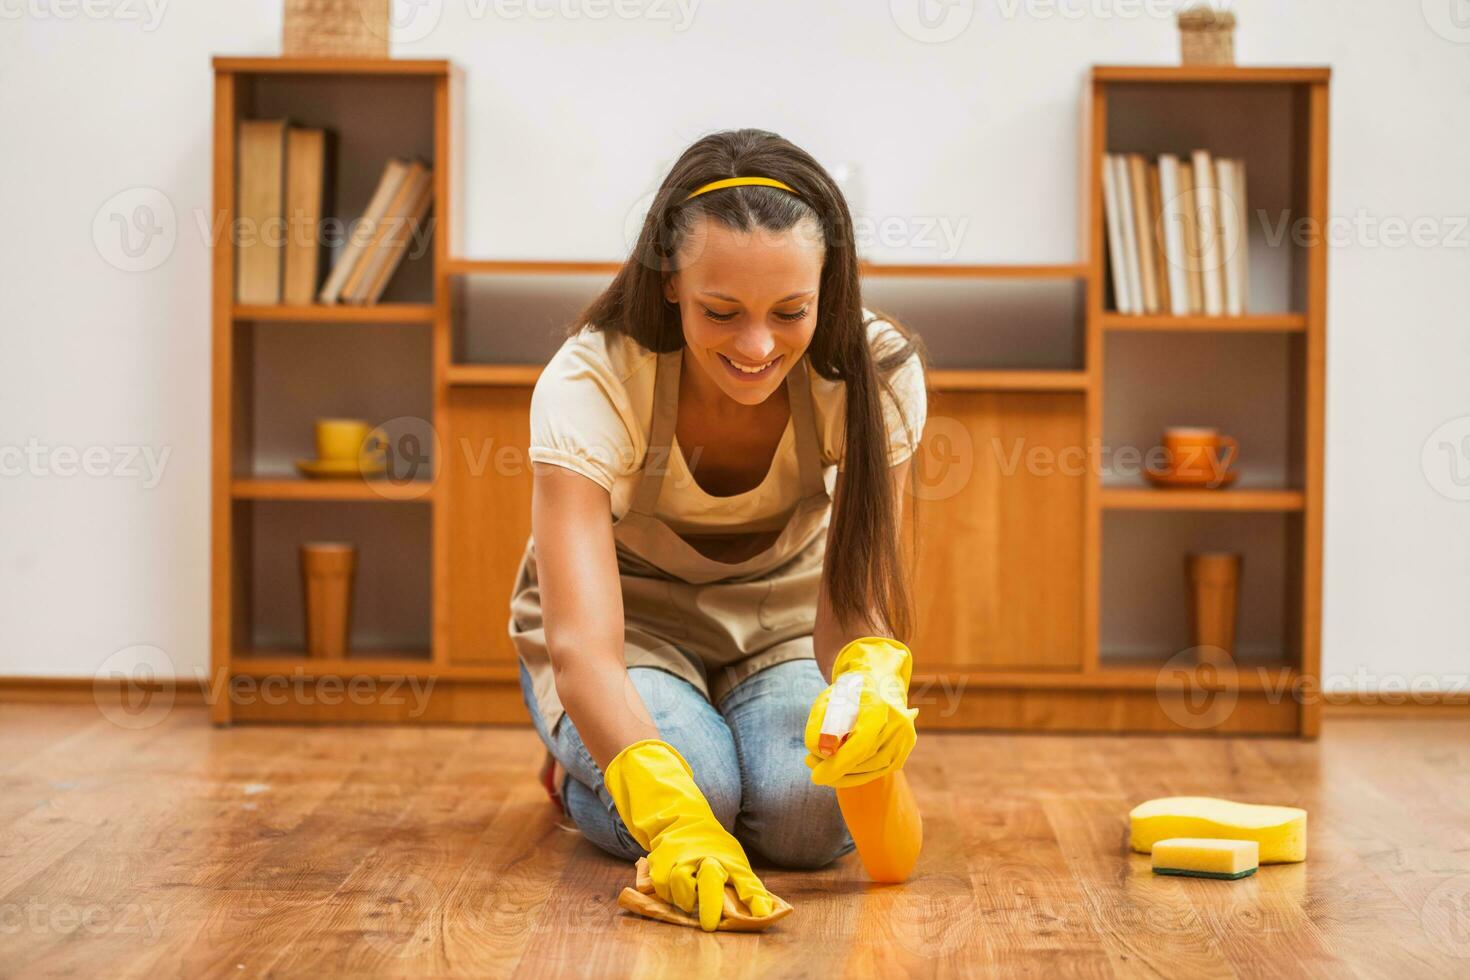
{"x": 756, "y": 344}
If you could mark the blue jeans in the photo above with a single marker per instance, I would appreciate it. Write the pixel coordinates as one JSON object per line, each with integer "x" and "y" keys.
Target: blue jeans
{"x": 748, "y": 755}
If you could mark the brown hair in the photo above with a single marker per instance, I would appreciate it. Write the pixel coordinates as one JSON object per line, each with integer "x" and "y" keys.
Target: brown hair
{"x": 868, "y": 576}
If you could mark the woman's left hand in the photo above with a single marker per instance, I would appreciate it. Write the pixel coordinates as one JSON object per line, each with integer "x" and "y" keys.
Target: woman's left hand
{"x": 883, "y": 734}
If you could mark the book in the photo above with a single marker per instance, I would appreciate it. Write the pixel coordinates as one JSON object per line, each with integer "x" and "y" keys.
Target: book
{"x": 394, "y": 249}
{"x": 1240, "y": 258}
{"x": 1147, "y": 268}
{"x": 391, "y": 229}
{"x": 363, "y": 230}
{"x": 1156, "y": 237}
{"x": 1191, "y": 238}
{"x": 1208, "y": 225}
{"x": 307, "y": 166}
{"x": 1230, "y": 224}
{"x": 1130, "y": 238}
{"x": 1173, "y": 228}
{"x": 259, "y": 207}
{"x": 1122, "y": 298}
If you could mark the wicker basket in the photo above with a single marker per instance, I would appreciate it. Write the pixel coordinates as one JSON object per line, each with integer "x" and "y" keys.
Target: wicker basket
{"x": 1206, "y": 36}
{"x": 340, "y": 28}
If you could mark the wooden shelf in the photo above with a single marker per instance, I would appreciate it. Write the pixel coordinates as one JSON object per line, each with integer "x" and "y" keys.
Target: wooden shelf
{"x": 503, "y": 375}
{"x": 408, "y": 313}
{"x": 958, "y": 380}
{"x": 1190, "y": 74}
{"x": 432, "y": 67}
{"x": 527, "y": 267}
{"x": 946, "y": 271}
{"x": 1180, "y": 498}
{"x": 525, "y": 375}
{"x": 1130, "y": 674}
{"x": 295, "y": 488}
{"x": 260, "y": 663}
{"x": 1249, "y": 323}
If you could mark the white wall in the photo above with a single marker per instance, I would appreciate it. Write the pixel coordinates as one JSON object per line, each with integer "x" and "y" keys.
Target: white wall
{"x": 572, "y": 119}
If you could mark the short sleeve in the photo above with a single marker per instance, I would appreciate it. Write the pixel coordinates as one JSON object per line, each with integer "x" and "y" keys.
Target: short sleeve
{"x": 905, "y": 410}
{"x": 581, "y": 416}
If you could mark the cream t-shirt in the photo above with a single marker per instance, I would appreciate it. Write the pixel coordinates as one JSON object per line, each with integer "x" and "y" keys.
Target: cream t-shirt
{"x": 592, "y": 411}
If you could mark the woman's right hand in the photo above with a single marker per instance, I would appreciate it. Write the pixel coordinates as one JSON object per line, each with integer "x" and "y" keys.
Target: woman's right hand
{"x": 690, "y": 855}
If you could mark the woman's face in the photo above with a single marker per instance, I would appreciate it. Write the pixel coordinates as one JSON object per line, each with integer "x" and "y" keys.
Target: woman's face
{"x": 748, "y": 303}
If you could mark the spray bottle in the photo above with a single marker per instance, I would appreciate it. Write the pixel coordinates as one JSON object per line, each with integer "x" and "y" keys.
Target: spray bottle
{"x": 881, "y": 815}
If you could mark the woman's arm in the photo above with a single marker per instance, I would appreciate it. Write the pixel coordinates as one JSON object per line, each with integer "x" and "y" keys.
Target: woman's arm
{"x": 829, "y": 635}
{"x": 582, "y": 609}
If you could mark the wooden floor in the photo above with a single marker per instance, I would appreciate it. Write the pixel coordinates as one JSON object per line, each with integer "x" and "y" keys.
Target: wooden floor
{"x": 182, "y": 850}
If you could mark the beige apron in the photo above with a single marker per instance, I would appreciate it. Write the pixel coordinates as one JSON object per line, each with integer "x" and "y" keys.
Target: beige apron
{"x": 711, "y": 622}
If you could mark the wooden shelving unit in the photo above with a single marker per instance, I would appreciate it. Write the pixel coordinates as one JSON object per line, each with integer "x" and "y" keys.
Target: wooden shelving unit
{"x": 277, "y": 368}
{"x": 1028, "y": 617}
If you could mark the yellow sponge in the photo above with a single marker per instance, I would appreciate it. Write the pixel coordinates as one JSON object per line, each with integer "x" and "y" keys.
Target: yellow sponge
{"x": 1281, "y": 831}
{"x": 1200, "y": 857}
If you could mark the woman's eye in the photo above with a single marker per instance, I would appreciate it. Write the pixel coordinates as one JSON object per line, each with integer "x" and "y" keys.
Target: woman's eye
{"x": 718, "y": 317}
{"x": 799, "y": 314}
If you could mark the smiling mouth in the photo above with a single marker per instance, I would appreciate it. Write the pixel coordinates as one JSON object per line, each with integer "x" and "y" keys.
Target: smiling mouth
{"x": 751, "y": 372}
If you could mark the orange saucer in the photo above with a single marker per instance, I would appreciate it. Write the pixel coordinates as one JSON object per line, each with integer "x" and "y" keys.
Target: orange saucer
{"x": 1168, "y": 478}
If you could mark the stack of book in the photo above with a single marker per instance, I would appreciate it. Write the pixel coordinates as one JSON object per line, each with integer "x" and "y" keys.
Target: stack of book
{"x": 283, "y": 196}
{"x": 1176, "y": 231}
{"x": 379, "y": 240}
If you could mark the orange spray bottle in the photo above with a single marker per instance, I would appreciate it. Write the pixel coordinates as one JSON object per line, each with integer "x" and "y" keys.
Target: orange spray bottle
{"x": 881, "y": 815}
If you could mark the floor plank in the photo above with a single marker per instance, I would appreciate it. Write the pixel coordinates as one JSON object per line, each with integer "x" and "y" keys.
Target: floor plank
{"x": 182, "y": 849}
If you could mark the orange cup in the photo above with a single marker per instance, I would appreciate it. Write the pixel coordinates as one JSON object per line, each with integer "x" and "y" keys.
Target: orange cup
{"x": 1199, "y": 452}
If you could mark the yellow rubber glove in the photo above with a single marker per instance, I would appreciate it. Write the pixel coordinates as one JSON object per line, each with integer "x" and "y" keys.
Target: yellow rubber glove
{"x": 690, "y": 855}
{"x": 883, "y": 735}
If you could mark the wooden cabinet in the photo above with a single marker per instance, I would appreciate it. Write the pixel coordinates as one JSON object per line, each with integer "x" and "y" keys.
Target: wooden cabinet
{"x": 1048, "y": 582}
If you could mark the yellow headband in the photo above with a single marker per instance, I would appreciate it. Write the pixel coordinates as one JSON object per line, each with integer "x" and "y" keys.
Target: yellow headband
{"x": 715, "y": 185}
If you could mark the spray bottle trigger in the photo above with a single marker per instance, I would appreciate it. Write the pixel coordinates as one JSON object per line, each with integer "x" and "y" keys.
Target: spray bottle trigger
{"x": 841, "y": 715}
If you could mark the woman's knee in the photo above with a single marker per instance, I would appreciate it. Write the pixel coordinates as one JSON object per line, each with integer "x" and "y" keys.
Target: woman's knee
{"x": 792, "y": 822}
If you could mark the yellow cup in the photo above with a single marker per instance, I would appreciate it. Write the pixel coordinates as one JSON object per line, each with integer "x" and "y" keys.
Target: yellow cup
{"x": 349, "y": 440}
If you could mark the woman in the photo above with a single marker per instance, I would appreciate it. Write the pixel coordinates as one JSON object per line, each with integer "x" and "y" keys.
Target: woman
{"x": 719, "y": 452}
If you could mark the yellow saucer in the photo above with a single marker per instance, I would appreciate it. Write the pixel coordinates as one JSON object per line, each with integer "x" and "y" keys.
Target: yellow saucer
{"x": 327, "y": 469}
